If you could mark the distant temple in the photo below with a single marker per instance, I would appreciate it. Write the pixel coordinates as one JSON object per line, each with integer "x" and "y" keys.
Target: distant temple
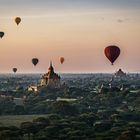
{"x": 120, "y": 73}
{"x": 50, "y": 79}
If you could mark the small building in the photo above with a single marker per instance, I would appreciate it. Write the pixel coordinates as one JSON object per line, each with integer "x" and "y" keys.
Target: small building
{"x": 32, "y": 88}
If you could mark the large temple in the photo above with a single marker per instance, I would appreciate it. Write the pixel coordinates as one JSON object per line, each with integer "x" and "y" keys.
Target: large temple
{"x": 50, "y": 79}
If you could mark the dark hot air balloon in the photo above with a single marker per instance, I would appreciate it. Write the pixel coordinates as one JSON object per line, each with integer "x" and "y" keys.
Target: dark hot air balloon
{"x": 112, "y": 52}
{"x": 62, "y": 59}
{"x": 1, "y": 34}
{"x": 14, "y": 70}
{"x": 17, "y": 20}
{"x": 35, "y": 61}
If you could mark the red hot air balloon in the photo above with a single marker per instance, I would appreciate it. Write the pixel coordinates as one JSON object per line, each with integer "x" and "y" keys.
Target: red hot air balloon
{"x": 14, "y": 70}
{"x": 112, "y": 52}
{"x": 62, "y": 59}
{"x": 1, "y": 34}
{"x": 17, "y": 20}
{"x": 35, "y": 61}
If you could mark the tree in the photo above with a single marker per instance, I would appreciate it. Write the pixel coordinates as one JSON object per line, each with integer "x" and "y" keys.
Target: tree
{"x": 41, "y": 122}
{"x": 127, "y": 135}
{"x": 89, "y": 118}
{"x": 63, "y": 108}
{"x": 28, "y": 128}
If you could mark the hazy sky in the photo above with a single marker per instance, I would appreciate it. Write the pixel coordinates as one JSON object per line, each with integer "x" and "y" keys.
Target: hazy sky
{"x": 78, "y": 30}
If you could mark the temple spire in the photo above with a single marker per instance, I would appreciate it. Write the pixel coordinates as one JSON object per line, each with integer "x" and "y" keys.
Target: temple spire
{"x": 51, "y": 67}
{"x": 50, "y": 63}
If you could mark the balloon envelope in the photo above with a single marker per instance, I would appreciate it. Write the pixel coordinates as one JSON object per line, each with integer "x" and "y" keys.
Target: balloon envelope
{"x": 1, "y": 34}
{"x": 14, "y": 70}
{"x": 112, "y": 52}
{"x": 35, "y": 61}
{"x": 62, "y": 59}
{"x": 17, "y": 20}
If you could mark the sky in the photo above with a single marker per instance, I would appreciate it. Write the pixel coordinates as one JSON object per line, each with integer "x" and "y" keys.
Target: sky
{"x": 78, "y": 30}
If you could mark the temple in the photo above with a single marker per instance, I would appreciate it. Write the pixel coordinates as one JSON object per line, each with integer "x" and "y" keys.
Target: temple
{"x": 120, "y": 73}
{"x": 50, "y": 79}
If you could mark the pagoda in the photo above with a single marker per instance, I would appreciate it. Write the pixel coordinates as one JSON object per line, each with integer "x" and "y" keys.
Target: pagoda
{"x": 50, "y": 79}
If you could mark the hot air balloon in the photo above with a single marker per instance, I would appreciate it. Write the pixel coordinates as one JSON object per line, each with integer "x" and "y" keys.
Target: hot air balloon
{"x": 1, "y": 34}
{"x": 14, "y": 70}
{"x": 62, "y": 59}
{"x": 17, "y": 20}
{"x": 35, "y": 61}
{"x": 112, "y": 52}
